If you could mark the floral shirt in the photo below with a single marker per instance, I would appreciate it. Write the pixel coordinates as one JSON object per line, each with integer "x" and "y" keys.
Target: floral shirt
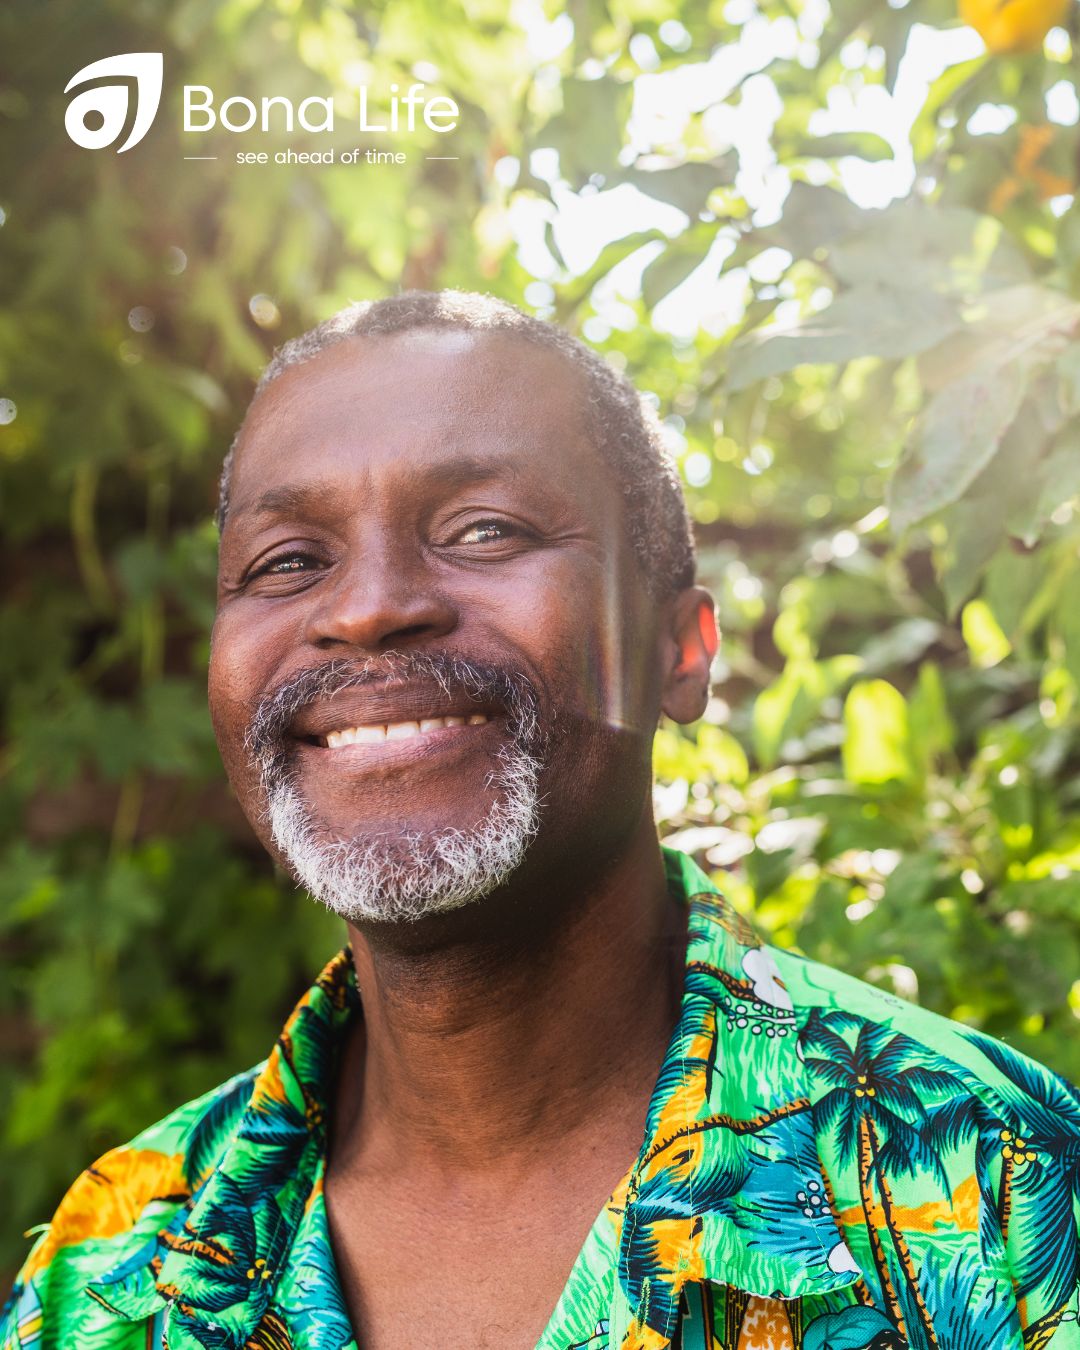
{"x": 825, "y": 1167}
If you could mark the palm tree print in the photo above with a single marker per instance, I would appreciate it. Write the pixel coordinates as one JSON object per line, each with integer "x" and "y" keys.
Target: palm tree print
{"x": 874, "y": 1107}
{"x": 1039, "y": 1141}
{"x": 1030, "y": 1128}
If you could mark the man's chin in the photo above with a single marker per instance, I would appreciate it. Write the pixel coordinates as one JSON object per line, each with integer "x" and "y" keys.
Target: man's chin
{"x": 388, "y": 838}
{"x": 408, "y": 874}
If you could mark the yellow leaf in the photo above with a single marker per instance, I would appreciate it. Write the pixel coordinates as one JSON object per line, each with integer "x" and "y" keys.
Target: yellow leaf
{"x": 982, "y": 633}
{"x": 876, "y": 734}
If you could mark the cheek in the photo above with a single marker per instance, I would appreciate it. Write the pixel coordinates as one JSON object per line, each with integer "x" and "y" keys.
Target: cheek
{"x": 234, "y": 681}
{"x": 615, "y": 658}
{"x": 590, "y": 641}
{"x": 630, "y": 690}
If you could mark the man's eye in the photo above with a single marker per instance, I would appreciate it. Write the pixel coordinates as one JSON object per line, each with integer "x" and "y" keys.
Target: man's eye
{"x": 491, "y": 532}
{"x": 285, "y": 564}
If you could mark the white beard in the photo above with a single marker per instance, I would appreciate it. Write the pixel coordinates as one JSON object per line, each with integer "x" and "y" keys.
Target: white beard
{"x": 405, "y": 877}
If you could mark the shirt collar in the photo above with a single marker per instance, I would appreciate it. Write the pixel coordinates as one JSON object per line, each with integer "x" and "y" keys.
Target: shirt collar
{"x": 728, "y": 1186}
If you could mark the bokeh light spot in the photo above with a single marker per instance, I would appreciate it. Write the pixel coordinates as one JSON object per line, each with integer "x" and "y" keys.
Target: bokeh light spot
{"x": 263, "y": 310}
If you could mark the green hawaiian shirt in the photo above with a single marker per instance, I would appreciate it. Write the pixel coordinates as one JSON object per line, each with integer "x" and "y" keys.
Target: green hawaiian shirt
{"x": 824, "y": 1167}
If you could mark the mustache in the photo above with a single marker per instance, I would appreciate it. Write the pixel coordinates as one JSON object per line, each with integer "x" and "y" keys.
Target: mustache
{"x": 504, "y": 686}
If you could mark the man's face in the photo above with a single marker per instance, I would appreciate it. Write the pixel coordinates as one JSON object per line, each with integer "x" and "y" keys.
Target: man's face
{"x": 431, "y": 633}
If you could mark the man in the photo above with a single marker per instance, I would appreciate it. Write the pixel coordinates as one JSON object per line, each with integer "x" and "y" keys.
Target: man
{"x": 555, "y": 1092}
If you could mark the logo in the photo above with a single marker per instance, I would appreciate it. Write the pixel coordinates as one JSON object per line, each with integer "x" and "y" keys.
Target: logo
{"x": 99, "y": 116}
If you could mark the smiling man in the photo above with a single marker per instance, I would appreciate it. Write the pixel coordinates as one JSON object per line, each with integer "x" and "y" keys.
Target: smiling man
{"x": 554, "y": 1092}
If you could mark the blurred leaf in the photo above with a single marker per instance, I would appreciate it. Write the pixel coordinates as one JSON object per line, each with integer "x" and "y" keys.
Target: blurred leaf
{"x": 959, "y": 434}
{"x": 813, "y": 218}
{"x": 1068, "y": 367}
{"x": 588, "y": 133}
{"x": 863, "y": 144}
{"x": 876, "y": 734}
{"x": 786, "y": 708}
{"x": 610, "y": 256}
{"x": 686, "y": 186}
{"x": 1067, "y": 626}
{"x": 867, "y": 321}
{"x": 986, "y": 642}
{"x": 943, "y": 91}
{"x": 722, "y": 755}
{"x": 667, "y": 271}
{"x": 913, "y": 882}
{"x": 932, "y": 730}
{"x": 1056, "y": 481}
{"x": 906, "y": 642}
{"x": 785, "y": 704}
{"x": 943, "y": 250}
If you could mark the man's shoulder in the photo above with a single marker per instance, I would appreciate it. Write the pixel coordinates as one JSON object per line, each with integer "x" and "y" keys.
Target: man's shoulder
{"x": 853, "y": 1035}
{"x": 951, "y": 1158}
{"x": 937, "y": 1055}
{"x": 121, "y": 1202}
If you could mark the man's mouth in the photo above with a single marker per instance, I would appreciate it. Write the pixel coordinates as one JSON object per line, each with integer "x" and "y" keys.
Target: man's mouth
{"x": 388, "y": 714}
{"x": 375, "y": 733}
{"x": 419, "y": 711}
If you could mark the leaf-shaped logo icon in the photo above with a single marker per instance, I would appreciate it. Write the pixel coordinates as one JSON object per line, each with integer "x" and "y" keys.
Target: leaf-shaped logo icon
{"x": 98, "y": 116}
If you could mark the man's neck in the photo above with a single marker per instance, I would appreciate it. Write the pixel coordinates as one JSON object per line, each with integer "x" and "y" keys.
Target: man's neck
{"x": 485, "y": 1052}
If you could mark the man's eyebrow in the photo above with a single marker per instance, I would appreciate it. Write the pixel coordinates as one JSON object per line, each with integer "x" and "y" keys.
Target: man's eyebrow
{"x": 289, "y": 499}
{"x": 465, "y": 469}
{"x": 296, "y": 498}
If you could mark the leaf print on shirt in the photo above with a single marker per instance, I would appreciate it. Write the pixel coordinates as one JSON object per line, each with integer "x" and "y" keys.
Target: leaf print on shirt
{"x": 854, "y": 1328}
{"x": 967, "y": 1311}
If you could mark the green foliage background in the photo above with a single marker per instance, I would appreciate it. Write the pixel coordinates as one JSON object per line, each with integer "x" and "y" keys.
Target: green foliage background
{"x": 885, "y": 458}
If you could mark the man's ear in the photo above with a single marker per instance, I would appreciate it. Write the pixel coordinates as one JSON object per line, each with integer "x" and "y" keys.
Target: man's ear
{"x": 690, "y": 645}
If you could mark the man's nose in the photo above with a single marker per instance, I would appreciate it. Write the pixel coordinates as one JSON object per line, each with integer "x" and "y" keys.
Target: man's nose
{"x": 379, "y": 599}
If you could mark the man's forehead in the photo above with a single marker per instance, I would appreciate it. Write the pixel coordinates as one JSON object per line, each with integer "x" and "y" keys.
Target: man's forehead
{"x": 445, "y": 399}
{"x": 486, "y": 367}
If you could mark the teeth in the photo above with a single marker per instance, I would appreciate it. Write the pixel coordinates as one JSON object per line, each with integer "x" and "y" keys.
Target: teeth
{"x": 398, "y": 731}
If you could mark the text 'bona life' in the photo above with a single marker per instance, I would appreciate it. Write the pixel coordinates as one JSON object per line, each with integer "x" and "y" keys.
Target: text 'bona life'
{"x": 403, "y": 112}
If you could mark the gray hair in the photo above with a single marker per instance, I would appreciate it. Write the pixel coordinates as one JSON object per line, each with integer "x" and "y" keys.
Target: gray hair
{"x": 619, "y": 422}
{"x": 404, "y": 876}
